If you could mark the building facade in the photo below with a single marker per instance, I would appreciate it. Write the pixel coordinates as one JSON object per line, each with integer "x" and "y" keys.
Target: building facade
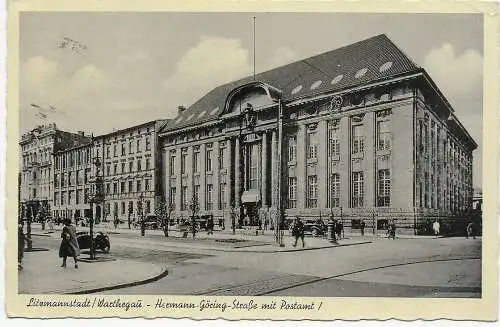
{"x": 37, "y": 147}
{"x": 129, "y": 167}
{"x": 72, "y": 182}
{"x": 360, "y": 132}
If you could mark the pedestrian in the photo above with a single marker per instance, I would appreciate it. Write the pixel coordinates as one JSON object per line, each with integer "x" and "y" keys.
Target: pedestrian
{"x": 51, "y": 223}
{"x": 69, "y": 244}
{"x": 362, "y": 227}
{"x": 392, "y": 230}
{"x": 20, "y": 245}
{"x": 210, "y": 225}
{"x": 435, "y": 228}
{"x": 470, "y": 230}
{"x": 338, "y": 229}
{"x": 298, "y": 231}
{"x": 266, "y": 222}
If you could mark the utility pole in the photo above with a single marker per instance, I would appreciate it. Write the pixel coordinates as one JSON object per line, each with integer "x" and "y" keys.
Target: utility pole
{"x": 279, "y": 205}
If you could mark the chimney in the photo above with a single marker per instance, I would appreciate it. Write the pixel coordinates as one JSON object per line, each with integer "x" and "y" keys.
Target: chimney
{"x": 81, "y": 133}
{"x": 180, "y": 109}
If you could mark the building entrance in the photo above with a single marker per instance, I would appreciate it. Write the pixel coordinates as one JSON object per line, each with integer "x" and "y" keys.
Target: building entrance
{"x": 250, "y": 214}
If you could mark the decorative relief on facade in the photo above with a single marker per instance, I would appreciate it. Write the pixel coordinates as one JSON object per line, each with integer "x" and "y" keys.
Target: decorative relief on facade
{"x": 358, "y": 118}
{"x": 312, "y": 127}
{"x": 334, "y": 123}
{"x": 336, "y": 103}
{"x": 384, "y": 113}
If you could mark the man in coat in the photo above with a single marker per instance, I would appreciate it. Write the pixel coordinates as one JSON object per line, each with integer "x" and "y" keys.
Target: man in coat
{"x": 298, "y": 231}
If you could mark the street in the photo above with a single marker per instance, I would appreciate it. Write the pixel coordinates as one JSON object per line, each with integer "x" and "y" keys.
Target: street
{"x": 413, "y": 267}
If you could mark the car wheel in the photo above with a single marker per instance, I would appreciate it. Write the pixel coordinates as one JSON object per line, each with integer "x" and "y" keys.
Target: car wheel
{"x": 105, "y": 249}
{"x": 314, "y": 232}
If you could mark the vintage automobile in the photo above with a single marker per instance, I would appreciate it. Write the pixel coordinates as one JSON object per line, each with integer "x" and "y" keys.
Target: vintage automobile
{"x": 101, "y": 241}
{"x": 315, "y": 227}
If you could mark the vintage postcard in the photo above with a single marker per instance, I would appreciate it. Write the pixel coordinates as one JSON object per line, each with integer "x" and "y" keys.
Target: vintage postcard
{"x": 244, "y": 160}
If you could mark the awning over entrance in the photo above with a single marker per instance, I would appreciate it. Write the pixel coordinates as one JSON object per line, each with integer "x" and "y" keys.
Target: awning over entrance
{"x": 250, "y": 196}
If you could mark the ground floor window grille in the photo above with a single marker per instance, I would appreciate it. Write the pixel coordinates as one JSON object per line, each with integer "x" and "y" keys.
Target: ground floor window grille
{"x": 357, "y": 189}
{"x": 292, "y": 192}
{"x": 335, "y": 190}
{"x": 384, "y": 188}
{"x": 312, "y": 191}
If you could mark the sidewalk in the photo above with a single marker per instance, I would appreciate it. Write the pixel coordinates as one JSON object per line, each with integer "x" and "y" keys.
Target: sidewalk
{"x": 42, "y": 274}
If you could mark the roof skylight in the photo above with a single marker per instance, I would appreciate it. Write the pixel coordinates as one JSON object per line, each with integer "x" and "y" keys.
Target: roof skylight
{"x": 337, "y": 79}
{"x": 297, "y": 89}
{"x": 361, "y": 72}
{"x": 385, "y": 66}
{"x": 214, "y": 111}
{"x": 201, "y": 114}
{"x": 316, "y": 84}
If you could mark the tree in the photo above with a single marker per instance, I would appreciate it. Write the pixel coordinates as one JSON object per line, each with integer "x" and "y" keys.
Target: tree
{"x": 194, "y": 207}
{"x": 163, "y": 211}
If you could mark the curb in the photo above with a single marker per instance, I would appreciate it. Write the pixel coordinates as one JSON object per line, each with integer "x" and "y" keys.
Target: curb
{"x": 161, "y": 275}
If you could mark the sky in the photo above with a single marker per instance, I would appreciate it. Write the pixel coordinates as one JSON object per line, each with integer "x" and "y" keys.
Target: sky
{"x": 128, "y": 68}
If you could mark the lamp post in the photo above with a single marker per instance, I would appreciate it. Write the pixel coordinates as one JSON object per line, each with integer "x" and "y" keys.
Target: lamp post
{"x": 140, "y": 213}
{"x": 96, "y": 197}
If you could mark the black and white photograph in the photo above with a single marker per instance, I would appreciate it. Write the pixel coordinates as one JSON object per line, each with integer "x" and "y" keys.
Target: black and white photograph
{"x": 250, "y": 154}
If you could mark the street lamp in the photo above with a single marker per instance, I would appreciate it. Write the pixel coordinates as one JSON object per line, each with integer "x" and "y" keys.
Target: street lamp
{"x": 95, "y": 197}
{"x": 140, "y": 213}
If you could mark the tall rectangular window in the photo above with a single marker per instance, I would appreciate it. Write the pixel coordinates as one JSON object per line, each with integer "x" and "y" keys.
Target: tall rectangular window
{"x": 196, "y": 161}
{"x": 312, "y": 145}
{"x": 358, "y": 191}
{"x": 384, "y": 135}
{"x": 115, "y": 188}
{"x": 123, "y": 208}
{"x": 292, "y": 148}
{"x": 222, "y": 196}
{"x": 114, "y": 150}
{"x": 183, "y": 161}
{"x": 138, "y": 186}
{"x": 358, "y": 139}
{"x": 196, "y": 192}
{"x": 209, "y": 160}
{"x": 254, "y": 167}
{"x": 123, "y": 148}
{"x": 172, "y": 195}
{"x": 292, "y": 192}
{"x": 148, "y": 144}
{"x": 221, "y": 157}
{"x": 384, "y": 188}
{"x": 184, "y": 199}
{"x": 130, "y": 147}
{"x": 148, "y": 206}
{"x": 209, "y": 204}
{"x": 335, "y": 190}
{"x": 147, "y": 185}
{"x": 333, "y": 142}
{"x": 312, "y": 191}
{"x": 172, "y": 164}
{"x": 123, "y": 167}
{"x": 138, "y": 145}
{"x": 139, "y": 166}
{"x": 70, "y": 178}
{"x": 130, "y": 186}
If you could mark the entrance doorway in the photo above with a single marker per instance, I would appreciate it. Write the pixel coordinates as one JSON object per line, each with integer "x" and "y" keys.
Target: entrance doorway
{"x": 250, "y": 214}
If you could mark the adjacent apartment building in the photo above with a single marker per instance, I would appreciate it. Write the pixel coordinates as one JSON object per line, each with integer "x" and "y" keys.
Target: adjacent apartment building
{"x": 129, "y": 167}
{"x": 360, "y": 132}
{"x": 37, "y": 166}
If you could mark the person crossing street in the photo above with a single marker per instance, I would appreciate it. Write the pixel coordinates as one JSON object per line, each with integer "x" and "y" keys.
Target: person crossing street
{"x": 298, "y": 231}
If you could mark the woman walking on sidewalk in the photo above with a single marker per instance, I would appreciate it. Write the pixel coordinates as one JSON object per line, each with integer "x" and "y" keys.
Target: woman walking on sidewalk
{"x": 69, "y": 245}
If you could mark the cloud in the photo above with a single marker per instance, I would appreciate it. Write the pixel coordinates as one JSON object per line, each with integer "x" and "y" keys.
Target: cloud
{"x": 211, "y": 62}
{"x": 282, "y": 56}
{"x": 455, "y": 74}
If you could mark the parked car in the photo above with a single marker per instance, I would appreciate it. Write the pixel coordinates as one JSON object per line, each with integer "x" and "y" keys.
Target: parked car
{"x": 101, "y": 241}
{"x": 151, "y": 222}
{"x": 315, "y": 227}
